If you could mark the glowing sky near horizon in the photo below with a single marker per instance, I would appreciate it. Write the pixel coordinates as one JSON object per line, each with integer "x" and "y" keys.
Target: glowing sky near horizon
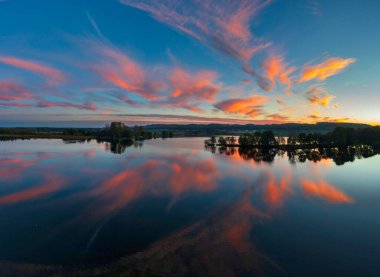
{"x": 83, "y": 63}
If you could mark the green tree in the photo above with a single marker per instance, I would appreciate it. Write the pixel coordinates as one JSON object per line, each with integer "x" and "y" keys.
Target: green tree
{"x": 268, "y": 138}
{"x": 222, "y": 141}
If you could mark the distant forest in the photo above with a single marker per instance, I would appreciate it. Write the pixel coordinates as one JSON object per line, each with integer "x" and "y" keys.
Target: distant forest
{"x": 326, "y": 134}
{"x": 201, "y": 129}
{"x": 115, "y": 131}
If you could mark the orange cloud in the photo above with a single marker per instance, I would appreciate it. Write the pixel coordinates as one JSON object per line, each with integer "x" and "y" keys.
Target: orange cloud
{"x": 322, "y": 71}
{"x": 318, "y": 96}
{"x": 52, "y": 74}
{"x": 275, "y": 69}
{"x": 251, "y": 106}
{"x": 325, "y": 191}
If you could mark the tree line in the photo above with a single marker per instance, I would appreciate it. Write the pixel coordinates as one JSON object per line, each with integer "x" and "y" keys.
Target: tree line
{"x": 120, "y": 131}
{"x": 115, "y": 131}
{"x": 340, "y": 136}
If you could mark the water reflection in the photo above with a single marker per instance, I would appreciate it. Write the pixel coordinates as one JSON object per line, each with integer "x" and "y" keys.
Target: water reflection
{"x": 218, "y": 245}
{"x": 51, "y": 184}
{"x": 325, "y": 191}
{"x": 166, "y": 207}
{"x": 339, "y": 155}
{"x": 171, "y": 175}
{"x": 276, "y": 192}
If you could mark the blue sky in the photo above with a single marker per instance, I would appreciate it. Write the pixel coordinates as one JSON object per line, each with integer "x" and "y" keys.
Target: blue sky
{"x": 83, "y": 63}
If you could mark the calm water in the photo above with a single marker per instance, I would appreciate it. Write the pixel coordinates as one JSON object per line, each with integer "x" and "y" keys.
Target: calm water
{"x": 173, "y": 206}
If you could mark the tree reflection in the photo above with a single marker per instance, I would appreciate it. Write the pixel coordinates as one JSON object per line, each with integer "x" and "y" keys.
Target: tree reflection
{"x": 116, "y": 146}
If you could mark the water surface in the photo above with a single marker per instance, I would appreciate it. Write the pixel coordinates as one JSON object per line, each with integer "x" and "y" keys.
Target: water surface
{"x": 174, "y": 206}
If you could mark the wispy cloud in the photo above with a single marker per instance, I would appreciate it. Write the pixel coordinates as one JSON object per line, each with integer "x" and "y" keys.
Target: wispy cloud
{"x": 276, "y": 70}
{"x": 52, "y": 184}
{"x": 251, "y": 106}
{"x": 170, "y": 87}
{"x": 222, "y": 25}
{"x": 319, "y": 96}
{"x": 15, "y": 95}
{"x": 314, "y": 7}
{"x": 50, "y": 104}
{"x": 10, "y": 91}
{"x": 87, "y": 106}
{"x": 96, "y": 27}
{"x": 120, "y": 70}
{"x": 327, "y": 68}
{"x": 277, "y": 117}
{"x": 188, "y": 89}
{"x": 53, "y": 75}
{"x": 325, "y": 191}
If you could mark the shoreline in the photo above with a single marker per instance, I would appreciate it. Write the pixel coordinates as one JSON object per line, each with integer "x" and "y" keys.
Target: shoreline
{"x": 45, "y": 136}
{"x": 286, "y": 147}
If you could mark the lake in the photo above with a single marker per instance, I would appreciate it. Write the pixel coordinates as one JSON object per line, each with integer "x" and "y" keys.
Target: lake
{"x": 174, "y": 207}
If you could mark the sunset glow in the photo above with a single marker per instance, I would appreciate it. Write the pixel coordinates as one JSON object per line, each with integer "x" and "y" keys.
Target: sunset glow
{"x": 188, "y": 62}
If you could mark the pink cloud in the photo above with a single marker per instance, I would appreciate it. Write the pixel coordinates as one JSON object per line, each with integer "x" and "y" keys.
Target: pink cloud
{"x": 87, "y": 106}
{"x": 48, "y": 104}
{"x": 10, "y": 91}
{"x": 178, "y": 88}
{"x": 53, "y": 75}
{"x": 190, "y": 89}
{"x": 223, "y": 25}
{"x": 125, "y": 73}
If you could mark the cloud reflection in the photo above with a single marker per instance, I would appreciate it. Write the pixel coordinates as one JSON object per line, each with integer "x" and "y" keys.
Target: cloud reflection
{"x": 325, "y": 191}
{"x": 51, "y": 184}
{"x": 171, "y": 175}
{"x": 219, "y": 244}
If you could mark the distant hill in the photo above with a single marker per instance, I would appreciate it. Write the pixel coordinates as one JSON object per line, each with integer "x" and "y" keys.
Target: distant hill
{"x": 286, "y": 128}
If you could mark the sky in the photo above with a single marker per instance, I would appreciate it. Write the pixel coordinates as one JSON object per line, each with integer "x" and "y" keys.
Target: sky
{"x": 83, "y": 63}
